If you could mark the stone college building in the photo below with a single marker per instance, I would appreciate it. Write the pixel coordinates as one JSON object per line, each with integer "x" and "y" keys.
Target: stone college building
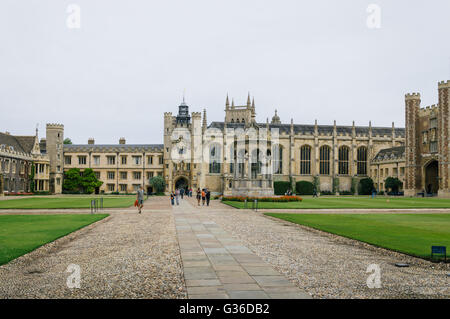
{"x": 333, "y": 156}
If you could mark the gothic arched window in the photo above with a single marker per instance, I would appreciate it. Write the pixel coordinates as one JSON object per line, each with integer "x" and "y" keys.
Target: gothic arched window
{"x": 343, "y": 160}
{"x": 214, "y": 159}
{"x": 362, "y": 161}
{"x": 324, "y": 168}
{"x": 305, "y": 160}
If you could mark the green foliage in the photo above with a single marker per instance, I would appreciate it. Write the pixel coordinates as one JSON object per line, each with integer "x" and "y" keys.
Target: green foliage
{"x": 316, "y": 183}
{"x": 335, "y": 185}
{"x": 158, "y": 183}
{"x": 304, "y": 188}
{"x": 67, "y": 141}
{"x": 354, "y": 186}
{"x": 393, "y": 183}
{"x": 281, "y": 187}
{"x": 89, "y": 181}
{"x": 365, "y": 186}
{"x": 75, "y": 183}
{"x": 31, "y": 178}
{"x": 72, "y": 180}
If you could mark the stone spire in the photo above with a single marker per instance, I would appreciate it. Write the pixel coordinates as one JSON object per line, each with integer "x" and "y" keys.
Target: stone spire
{"x": 276, "y": 119}
{"x": 232, "y": 103}
{"x": 248, "y": 100}
{"x": 227, "y": 102}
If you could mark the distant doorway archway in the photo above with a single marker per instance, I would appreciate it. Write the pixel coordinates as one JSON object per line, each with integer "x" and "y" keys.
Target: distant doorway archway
{"x": 432, "y": 177}
{"x": 181, "y": 182}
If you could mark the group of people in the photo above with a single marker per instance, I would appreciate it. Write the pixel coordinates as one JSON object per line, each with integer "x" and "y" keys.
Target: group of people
{"x": 180, "y": 192}
{"x": 204, "y": 195}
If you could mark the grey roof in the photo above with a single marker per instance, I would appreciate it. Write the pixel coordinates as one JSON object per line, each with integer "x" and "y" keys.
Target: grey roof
{"x": 307, "y": 129}
{"x": 390, "y": 153}
{"x": 27, "y": 142}
{"x": 106, "y": 148}
{"x": 11, "y": 141}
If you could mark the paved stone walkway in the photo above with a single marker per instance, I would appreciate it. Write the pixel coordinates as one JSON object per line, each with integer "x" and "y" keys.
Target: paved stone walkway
{"x": 216, "y": 265}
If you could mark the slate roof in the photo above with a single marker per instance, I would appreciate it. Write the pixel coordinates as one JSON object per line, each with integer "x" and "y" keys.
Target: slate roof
{"x": 390, "y": 153}
{"x": 108, "y": 148}
{"x": 307, "y": 129}
{"x": 27, "y": 142}
{"x": 12, "y": 141}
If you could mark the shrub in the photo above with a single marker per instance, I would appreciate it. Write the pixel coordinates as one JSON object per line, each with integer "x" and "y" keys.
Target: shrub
{"x": 158, "y": 183}
{"x": 281, "y": 187}
{"x": 365, "y": 186}
{"x": 304, "y": 188}
{"x": 393, "y": 183}
{"x": 327, "y": 193}
{"x": 345, "y": 193}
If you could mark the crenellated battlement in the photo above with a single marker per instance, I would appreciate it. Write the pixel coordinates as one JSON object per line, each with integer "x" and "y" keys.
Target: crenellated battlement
{"x": 426, "y": 111}
{"x": 167, "y": 114}
{"x": 444, "y": 84}
{"x": 55, "y": 125}
{"x": 412, "y": 96}
{"x": 196, "y": 114}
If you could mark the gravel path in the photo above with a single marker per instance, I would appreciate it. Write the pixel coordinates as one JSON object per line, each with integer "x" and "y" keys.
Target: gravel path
{"x": 329, "y": 266}
{"x": 124, "y": 256}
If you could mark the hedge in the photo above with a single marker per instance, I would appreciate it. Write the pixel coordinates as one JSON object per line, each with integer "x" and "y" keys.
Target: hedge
{"x": 280, "y": 187}
{"x": 304, "y": 188}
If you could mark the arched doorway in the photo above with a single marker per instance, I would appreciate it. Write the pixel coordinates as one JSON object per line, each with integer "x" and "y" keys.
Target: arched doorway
{"x": 181, "y": 182}
{"x": 432, "y": 177}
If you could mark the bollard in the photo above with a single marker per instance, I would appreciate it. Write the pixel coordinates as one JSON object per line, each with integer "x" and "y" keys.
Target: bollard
{"x": 101, "y": 203}
{"x": 92, "y": 207}
{"x": 245, "y": 203}
{"x": 256, "y": 205}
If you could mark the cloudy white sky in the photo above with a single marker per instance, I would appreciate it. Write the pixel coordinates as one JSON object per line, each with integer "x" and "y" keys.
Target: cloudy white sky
{"x": 131, "y": 61}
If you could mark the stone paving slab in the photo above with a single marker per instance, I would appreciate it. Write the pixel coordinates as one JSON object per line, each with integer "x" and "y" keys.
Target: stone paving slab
{"x": 218, "y": 266}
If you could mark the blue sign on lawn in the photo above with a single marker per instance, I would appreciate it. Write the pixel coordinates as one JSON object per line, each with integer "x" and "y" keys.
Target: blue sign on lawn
{"x": 438, "y": 250}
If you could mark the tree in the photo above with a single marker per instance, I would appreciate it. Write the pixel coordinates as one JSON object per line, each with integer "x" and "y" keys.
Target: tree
{"x": 158, "y": 183}
{"x": 393, "y": 183}
{"x": 72, "y": 180}
{"x": 365, "y": 186}
{"x": 89, "y": 181}
{"x": 67, "y": 141}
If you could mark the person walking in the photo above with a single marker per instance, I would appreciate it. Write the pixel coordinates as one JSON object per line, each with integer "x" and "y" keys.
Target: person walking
{"x": 172, "y": 198}
{"x": 208, "y": 197}
{"x": 140, "y": 199}
{"x": 314, "y": 192}
{"x": 203, "y": 197}
{"x": 177, "y": 196}
{"x": 199, "y": 196}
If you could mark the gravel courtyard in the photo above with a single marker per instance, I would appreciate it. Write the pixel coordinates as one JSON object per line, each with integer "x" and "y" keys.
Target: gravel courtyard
{"x": 125, "y": 255}
{"x": 138, "y": 256}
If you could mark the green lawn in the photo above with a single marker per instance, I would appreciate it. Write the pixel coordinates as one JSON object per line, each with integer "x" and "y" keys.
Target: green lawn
{"x": 20, "y": 234}
{"x": 352, "y": 202}
{"x": 50, "y": 202}
{"x": 412, "y": 234}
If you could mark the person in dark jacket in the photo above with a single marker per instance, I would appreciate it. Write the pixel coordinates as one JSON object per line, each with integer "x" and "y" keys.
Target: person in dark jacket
{"x": 208, "y": 197}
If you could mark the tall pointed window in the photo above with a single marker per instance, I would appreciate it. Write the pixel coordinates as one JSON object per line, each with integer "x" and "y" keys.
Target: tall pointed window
{"x": 324, "y": 168}
{"x": 343, "y": 160}
{"x": 305, "y": 160}
{"x": 277, "y": 159}
{"x": 214, "y": 159}
{"x": 362, "y": 161}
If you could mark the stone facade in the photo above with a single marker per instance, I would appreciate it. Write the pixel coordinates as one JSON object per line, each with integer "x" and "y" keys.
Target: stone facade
{"x": 427, "y": 139}
{"x": 197, "y": 154}
{"x": 122, "y": 167}
{"x": 18, "y": 155}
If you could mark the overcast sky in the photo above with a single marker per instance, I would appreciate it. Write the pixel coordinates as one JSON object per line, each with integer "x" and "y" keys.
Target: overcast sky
{"x": 130, "y": 61}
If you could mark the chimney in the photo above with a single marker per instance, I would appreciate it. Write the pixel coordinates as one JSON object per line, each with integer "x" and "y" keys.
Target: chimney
{"x": 91, "y": 141}
{"x": 122, "y": 140}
